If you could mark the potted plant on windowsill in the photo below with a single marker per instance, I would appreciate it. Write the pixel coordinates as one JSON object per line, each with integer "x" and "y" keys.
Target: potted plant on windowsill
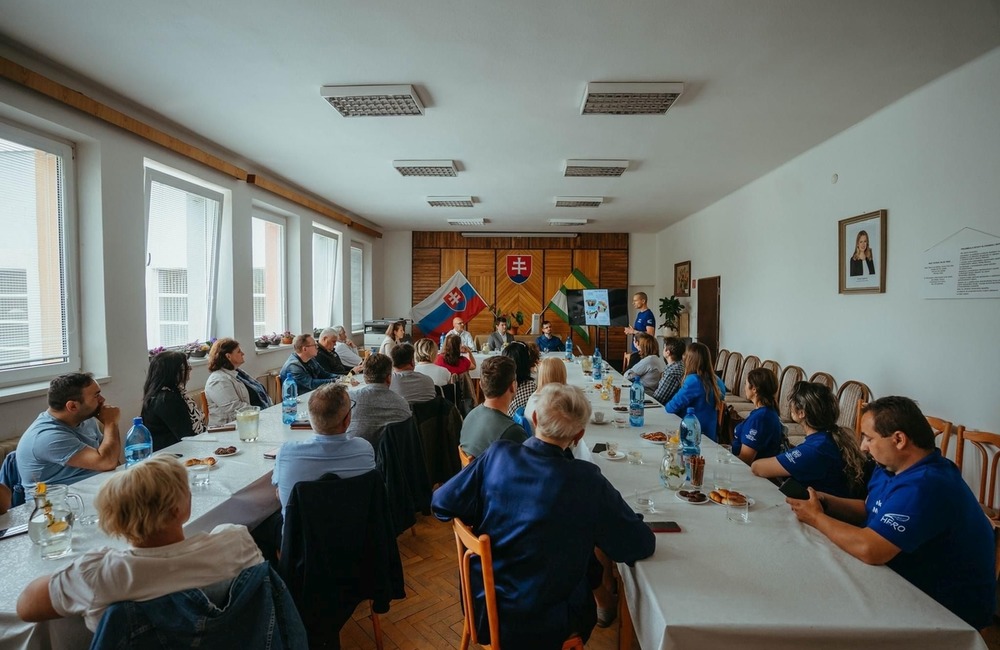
{"x": 263, "y": 342}
{"x": 155, "y": 351}
{"x": 196, "y": 349}
{"x": 286, "y": 337}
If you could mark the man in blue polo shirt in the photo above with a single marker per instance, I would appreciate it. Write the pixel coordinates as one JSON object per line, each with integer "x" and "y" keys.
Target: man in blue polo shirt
{"x": 645, "y": 323}
{"x": 920, "y": 517}
{"x": 547, "y": 342}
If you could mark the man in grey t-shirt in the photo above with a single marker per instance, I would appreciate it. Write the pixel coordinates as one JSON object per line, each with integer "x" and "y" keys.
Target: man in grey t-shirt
{"x": 412, "y": 386}
{"x": 76, "y": 437}
{"x": 489, "y": 422}
{"x": 375, "y": 404}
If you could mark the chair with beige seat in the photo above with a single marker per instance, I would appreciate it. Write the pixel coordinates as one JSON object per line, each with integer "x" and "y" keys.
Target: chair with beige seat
{"x": 790, "y": 376}
{"x": 731, "y": 373}
{"x": 826, "y": 379}
{"x": 986, "y": 444}
{"x": 720, "y": 361}
{"x": 851, "y": 397}
{"x": 736, "y": 396}
{"x": 941, "y": 428}
{"x": 469, "y": 545}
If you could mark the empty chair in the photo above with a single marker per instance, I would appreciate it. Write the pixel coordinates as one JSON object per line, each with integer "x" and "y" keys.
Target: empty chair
{"x": 720, "y": 361}
{"x": 736, "y": 396}
{"x": 826, "y": 379}
{"x": 987, "y": 446}
{"x": 941, "y": 428}
{"x": 851, "y": 397}
{"x": 470, "y": 546}
{"x": 731, "y": 373}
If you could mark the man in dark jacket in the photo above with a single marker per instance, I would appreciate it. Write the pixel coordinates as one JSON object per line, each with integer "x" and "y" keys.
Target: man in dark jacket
{"x": 302, "y": 366}
{"x": 327, "y": 354}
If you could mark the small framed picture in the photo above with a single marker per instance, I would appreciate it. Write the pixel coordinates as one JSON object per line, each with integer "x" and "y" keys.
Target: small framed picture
{"x": 862, "y": 253}
{"x": 682, "y": 279}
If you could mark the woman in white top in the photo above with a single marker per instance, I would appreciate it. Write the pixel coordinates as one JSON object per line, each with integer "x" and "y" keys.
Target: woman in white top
{"x": 650, "y": 365}
{"x": 551, "y": 370}
{"x": 393, "y": 335}
{"x": 426, "y": 352}
{"x": 225, "y": 393}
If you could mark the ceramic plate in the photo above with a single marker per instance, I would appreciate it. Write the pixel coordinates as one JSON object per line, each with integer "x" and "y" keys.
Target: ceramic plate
{"x": 217, "y": 454}
{"x": 618, "y": 456}
{"x": 678, "y": 496}
{"x": 750, "y": 500}
{"x": 601, "y": 423}
{"x": 652, "y": 442}
{"x": 620, "y": 409}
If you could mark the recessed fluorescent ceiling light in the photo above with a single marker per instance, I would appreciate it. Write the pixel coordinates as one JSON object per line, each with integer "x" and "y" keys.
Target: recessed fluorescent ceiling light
{"x": 568, "y": 222}
{"x": 629, "y": 98}
{"x": 373, "y": 101}
{"x": 425, "y": 167}
{"x": 579, "y": 201}
{"x": 466, "y": 222}
{"x": 596, "y": 167}
{"x": 547, "y": 235}
{"x": 450, "y": 201}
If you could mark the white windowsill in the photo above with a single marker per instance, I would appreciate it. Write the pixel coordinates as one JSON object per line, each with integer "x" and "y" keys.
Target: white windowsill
{"x": 272, "y": 348}
{"x": 34, "y": 389}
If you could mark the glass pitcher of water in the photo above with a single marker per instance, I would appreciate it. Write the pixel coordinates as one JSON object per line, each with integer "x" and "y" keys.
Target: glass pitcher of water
{"x": 50, "y": 525}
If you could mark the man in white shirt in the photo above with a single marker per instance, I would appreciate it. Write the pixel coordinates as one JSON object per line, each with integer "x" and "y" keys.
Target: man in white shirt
{"x": 161, "y": 561}
{"x": 413, "y": 386}
{"x": 458, "y": 329}
{"x": 346, "y": 349}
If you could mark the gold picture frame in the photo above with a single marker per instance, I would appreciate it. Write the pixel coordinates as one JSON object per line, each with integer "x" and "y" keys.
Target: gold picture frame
{"x": 863, "y": 242}
{"x": 682, "y": 279}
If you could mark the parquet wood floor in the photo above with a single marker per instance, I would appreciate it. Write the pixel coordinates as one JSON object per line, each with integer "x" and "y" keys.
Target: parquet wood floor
{"x": 430, "y": 615}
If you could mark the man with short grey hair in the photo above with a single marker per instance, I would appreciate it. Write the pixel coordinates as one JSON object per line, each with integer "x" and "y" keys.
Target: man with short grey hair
{"x": 329, "y": 358}
{"x": 375, "y": 403}
{"x": 546, "y": 513}
{"x": 346, "y": 348}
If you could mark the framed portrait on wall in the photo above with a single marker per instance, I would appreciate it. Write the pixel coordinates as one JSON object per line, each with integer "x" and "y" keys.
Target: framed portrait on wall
{"x": 862, "y": 253}
{"x": 682, "y": 279}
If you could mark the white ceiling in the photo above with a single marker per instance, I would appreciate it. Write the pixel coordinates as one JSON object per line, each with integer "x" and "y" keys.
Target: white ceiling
{"x": 765, "y": 80}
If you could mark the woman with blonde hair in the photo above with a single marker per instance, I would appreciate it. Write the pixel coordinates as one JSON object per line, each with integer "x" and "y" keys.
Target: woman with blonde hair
{"x": 425, "y": 353}
{"x": 862, "y": 256}
{"x": 650, "y": 366}
{"x": 700, "y": 390}
{"x": 552, "y": 370}
{"x": 829, "y": 459}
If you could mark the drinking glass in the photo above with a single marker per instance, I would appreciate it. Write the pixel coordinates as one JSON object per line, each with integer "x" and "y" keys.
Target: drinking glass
{"x": 612, "y": 448}
{"x": 739, "y": 514}
{"x": 199, "y": 475}
{"x": 722, "y": 478}
{"x": 725, "y": 454}
{"x": 617, "y": 392}
{"x": 634, "y": 457}
{"x": 644, "y": 501}
{"x": 248, "y": 423}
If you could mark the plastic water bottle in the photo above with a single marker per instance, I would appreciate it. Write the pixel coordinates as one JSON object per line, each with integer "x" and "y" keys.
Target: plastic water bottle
{"x": 138, "y": 443}
{"x": 691, "y": 434}
{"x": 636, "y": 406}
{"x": 441, "y": 342}
{"x": 597, "y": 364}
{"x": 569, "y": 348}
{"x": 289, "y": 400}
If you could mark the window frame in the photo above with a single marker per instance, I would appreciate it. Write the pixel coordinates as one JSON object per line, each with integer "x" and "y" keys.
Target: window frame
{"x": 262, "y": 214}
{"x": 358, "y": 319}
{"x": 70, "y": 255}
{"x": 337, "y": 238}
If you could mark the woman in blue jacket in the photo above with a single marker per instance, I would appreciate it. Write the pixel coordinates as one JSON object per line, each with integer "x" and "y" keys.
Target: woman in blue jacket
{"x": 761, "y": 435}
{"x": 700, "y": 390}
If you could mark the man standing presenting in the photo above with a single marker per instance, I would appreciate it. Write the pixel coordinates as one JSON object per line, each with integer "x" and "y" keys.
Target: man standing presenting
{"x": 500, "y": 337}
{"x": 375, "y": 404}
{"x": 412, "y": 386}
{"x": 76, "y": 437}
{"x": 458, "y": 329}
{"x": 327, "y": 356}
{"x": 329, "y": 450}
{"x": 489, "y": 422}
{"x": 920, "y": 518}
{"x": 545, "y": 513}
{"x": 645, "y": 323}
{"x": 302, "y": 366}
{"x": 547, "y": 342}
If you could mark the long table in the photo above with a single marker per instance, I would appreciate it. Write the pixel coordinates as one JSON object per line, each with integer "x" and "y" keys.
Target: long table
{"x": 773, "y": 583}
{"x": 239, "y": 491}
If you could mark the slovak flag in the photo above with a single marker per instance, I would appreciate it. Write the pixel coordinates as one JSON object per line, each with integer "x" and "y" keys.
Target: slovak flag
{"x": 456, "y": 297}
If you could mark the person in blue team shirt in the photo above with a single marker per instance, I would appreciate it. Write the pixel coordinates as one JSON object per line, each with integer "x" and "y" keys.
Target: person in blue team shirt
{"x": 761, "y": 434}
{"x": 700, "y": 390}
{"x": 829, "y": 459}
{"x": 302, "y": 366}
{"x": 645, "y": 323}
{"x": 920, "y": 518}
{"x": 547, "y": 342}
{"x": 545, "y": 513}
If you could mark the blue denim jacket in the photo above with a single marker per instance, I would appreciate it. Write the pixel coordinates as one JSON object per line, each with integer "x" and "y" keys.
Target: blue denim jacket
{"x": 260, "y": 613}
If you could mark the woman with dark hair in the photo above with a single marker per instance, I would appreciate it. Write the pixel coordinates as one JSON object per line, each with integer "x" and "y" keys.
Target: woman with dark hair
{"x": 393, "y": 335}
{"x": 650, "y": 366}
{"x": 829, "y": 459}
{"x": 700, "y": 390}
{"x": 452, "y": 357}
{"x": 862, "y": 256}
{"x": 228, "y": 388}
{"x": 525, "y": 382}
{"x": 761, "y": 434}
{"x": 167, "y": 412}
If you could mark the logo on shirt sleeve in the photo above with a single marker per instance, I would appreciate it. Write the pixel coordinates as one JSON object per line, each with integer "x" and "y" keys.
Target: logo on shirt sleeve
{"x": 895, "y": 521}
{"x": 793, "y": 455}
{"x": 751, "y": 435}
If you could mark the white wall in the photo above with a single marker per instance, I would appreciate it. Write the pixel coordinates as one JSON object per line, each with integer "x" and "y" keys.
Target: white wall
{"x": 933, "y": 161}
{"x": 109, "y": 171}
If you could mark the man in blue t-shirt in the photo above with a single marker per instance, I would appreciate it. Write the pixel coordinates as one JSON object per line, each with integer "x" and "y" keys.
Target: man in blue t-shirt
{"x": 920, "y": 518}
{"x": 548, "y": 343}
{"x": 645, "y": 323}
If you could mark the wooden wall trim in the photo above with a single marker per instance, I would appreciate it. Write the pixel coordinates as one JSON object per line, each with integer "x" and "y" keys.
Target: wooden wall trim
{"x": 442, "y": 239}
{"x": 74, "y": 99}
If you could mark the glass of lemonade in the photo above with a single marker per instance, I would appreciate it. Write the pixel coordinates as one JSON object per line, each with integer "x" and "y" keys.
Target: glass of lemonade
{"x": 248, "y": 423}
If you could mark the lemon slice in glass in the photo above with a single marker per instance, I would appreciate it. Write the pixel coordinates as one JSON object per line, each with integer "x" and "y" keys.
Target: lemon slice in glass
{"x": 57, "y": 527}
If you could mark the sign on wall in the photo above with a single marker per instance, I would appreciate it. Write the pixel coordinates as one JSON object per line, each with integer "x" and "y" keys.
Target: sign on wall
{"x": 965, "y": 265}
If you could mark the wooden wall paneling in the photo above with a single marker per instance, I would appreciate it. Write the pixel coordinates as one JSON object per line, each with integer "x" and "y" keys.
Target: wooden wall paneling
{"x": 426, "y": 272}
{"x": 558, "y": 265}
{"x": 614, "y": 275}
{"x": 452, "y": 259}
{"x": 481, "y": 266}
{"x": 602, "y": 241}
{"x": 526, "y": 296}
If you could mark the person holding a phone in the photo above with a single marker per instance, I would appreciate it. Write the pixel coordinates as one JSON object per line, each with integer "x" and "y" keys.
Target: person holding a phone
{"x": 761, "y": 434}
{"x": 829, "y": 459}
{"x": 920, "y": 517}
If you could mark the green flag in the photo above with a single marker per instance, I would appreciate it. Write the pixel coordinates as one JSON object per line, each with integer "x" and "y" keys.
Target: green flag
{"x": 559, "y": 304}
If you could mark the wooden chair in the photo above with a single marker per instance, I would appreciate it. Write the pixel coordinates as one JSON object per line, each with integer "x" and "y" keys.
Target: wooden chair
{"x": 826, "y": 379}
{"x": 731, "y": 375}
{"x": 204, "y": 405}
{"x": 851, "y": 397}
{"x": 720, "y": 361}
{"x": 468, "y": 545}
{"x": 941, "y": 428}
{"x": 736, "y": 396}
{"x": 790, "y": 376}
{"x": 984, "y": 443}
{"x": 464, "y": 457}
{"x": 773, "y": 366}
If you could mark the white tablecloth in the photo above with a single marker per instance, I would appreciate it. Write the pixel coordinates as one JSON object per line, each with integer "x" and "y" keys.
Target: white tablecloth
{"x": 770, "y": 584}
{"x": 239, "y": 491}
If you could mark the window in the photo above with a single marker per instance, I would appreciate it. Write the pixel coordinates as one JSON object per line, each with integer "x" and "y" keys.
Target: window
{"x": 36, "y": 288}
{"x": 324, "y": 276}
{"x": 268, "y": 274}
{"x": 182, "y": 242}
{"x": 357, "y": 288}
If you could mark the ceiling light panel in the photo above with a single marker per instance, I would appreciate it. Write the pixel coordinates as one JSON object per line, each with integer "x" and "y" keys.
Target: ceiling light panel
{"x": 373, "y": 101}
{"x": 450, "y": 201}
{"x": 579, "y": 201}
{"x": 568, "y": 222}
{"x": 466, "y": 222}
{"x": 425, "y": 167}
{"x": 595, "y": 167}
{"x": 630, "y": 98}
